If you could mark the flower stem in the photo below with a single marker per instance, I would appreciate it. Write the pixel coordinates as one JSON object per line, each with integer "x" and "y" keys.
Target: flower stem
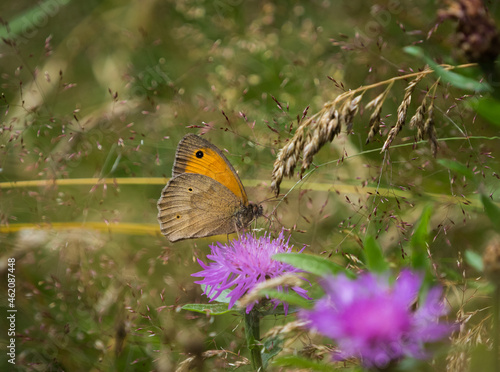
{"x": 252, "y": 334}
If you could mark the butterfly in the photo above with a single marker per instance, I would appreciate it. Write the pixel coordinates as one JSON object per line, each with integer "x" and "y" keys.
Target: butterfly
{"x": 205, "y": 196}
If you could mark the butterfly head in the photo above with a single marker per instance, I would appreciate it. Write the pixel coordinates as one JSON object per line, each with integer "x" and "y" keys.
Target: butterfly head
{"x": 247, "y": 214}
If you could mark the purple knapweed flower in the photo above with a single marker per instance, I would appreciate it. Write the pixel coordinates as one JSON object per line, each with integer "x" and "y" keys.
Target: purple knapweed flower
{"x": 373, "y": 320}
{"x": 242, "y": 264}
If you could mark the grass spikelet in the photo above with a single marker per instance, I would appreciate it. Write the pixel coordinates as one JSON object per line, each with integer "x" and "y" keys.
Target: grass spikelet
{"x": 402, "y": 110}
{"x": 287, "y": 158}
{"x": 325, "y": 125}
{"x": 378, "y": 102}
{"x": 287, "y": 280}
{"x": 471, "y": 335}
{"x": 417, "y": 120}
{"x": 295, "y": 326}
{"x": 325, "y": 129}
{"x": 321, "y": 128}
{"x": 429, "y": 128}
{"x": 349, "y": 110}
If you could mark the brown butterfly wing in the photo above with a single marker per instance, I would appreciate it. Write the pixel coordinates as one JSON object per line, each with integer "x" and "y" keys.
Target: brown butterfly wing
{"x": 197, "y": 155}
{"x": 195, "y": 206}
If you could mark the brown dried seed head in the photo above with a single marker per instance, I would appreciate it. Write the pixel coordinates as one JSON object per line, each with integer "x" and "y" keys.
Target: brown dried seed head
{"x": 402, "y": 110}
{"x": 326, "y": 128}
{"x": 287, "y": 157}
{"x": 287, "y": 280}
{"x": 277, "y": 175}
{"x": 429, "y": 129}
{"x": 390, "y": 137}
{"x": 433, "y": 139}
{"x": 333, "y": 126}
{"x": 417, "y": 119}
{"x": 295, "y": 326}
{"x": 403, "y": 107}
{"x": 311, "y": 147}
{"x": 376, "y": 101}
{"x": 349, "y": 110}
{"x": 374, "y": 123}
{"x": 428, "y": 125}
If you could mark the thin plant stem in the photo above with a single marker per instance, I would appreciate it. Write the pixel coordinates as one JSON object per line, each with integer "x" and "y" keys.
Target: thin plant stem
{"x": 252, "y": 334}
{"x": 402, "y": 77}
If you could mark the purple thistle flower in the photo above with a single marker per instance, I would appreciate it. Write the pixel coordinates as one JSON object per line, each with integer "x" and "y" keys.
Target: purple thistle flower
{"x": 244, "y": 263}
{"x": 373, "y": 320}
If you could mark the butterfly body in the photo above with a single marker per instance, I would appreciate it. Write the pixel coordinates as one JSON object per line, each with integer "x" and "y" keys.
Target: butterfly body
{"x": 205, "y": 196}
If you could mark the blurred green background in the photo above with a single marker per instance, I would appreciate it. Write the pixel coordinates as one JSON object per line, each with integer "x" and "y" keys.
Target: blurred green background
{"x": 106, "y": 89}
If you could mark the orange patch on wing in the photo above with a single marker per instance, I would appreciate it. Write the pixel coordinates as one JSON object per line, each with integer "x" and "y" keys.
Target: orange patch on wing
{"x": 213, "y": 166}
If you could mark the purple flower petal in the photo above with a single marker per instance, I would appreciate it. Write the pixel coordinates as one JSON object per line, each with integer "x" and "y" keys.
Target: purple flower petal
{"x": 373, "y": 320}
{"x": 242, "y": 264}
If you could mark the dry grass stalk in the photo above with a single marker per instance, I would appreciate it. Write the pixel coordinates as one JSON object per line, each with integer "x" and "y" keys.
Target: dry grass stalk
{"x": 417, "y": 120}
{"x": 349, "y": 110}
{"x": 463, "y": 342}
{"x": 287, "y": 280}
{"x": 193, "y": 362}
{"x": 323, "y": 126}
{"x": 312, "y": 134}
{"x": 289, "y": 155}
{"x": 402, "y": 110}
{"x": 320, "y": 352}
{"x": 377, "y": 103}
{"x": 287, "y": 158}
{"x": 324, "y": 129}
{"x": 430, "y": 130}
{"x": 426, "y": 127}
{"x": 295, "y": 326}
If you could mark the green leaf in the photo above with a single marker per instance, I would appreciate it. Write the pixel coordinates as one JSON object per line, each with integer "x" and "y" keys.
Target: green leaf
{"x": 492, "y": 211}
{"x": 375, "y": 260}
{"x": 212, "y": 309}
{"x": 457, "y": 167}
{"x": 474, "y": 260}
{"x": 272, "y": 347}
{"x": 419, "y": 241}
{"x": 223, "y": 297}
{"x": 487, "y": 107}
{"x": 312, "y": 264}
{"x": 301, "y": 362}
{"x": 457, "y": 80}
{"x": 290, "y": 298}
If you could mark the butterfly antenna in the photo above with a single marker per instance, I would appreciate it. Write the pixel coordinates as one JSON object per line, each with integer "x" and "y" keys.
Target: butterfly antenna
{"x": 278, "y": 198}
{"x": 268, "y": 217}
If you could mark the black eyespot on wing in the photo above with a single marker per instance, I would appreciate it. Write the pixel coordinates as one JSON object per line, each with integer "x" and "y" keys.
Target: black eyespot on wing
{"x": 199, "y": 154}
{"x": 190, "y": 189}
